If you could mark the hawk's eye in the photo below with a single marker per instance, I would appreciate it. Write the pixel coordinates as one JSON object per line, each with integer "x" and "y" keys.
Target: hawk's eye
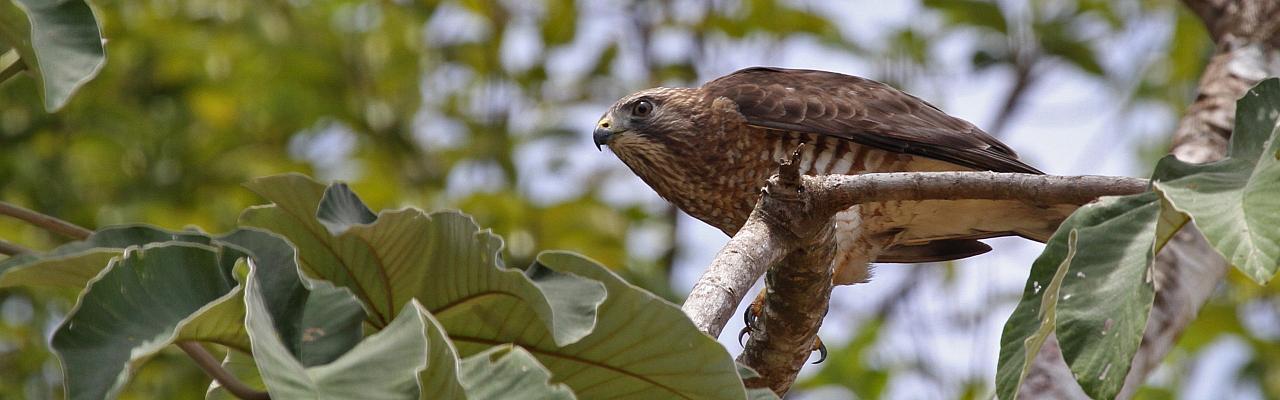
{"x": 642, "y": 108}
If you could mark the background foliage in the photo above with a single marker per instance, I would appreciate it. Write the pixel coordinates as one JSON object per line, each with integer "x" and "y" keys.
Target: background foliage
{"x": 479, "y": 105}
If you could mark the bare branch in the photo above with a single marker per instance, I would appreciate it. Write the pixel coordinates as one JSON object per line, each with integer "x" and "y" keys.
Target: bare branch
{"x": 214, "y": 368}
{"x": 47, "y": 222}
{"x": 838, "y": 192}
{"x": 732, "y": 273}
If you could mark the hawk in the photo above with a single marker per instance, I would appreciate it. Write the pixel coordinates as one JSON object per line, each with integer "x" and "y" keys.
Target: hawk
{"x": 709, "y": 150}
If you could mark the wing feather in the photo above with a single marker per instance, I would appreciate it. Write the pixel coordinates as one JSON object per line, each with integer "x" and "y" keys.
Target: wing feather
{"x": 862, "y": 110}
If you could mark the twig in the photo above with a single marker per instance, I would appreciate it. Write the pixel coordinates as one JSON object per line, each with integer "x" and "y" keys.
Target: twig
{"x": 1023, "y": 79}
{"x": 49, "y": 223}
{"x": 214, "y": 368}
{"x": 10, "y": 249}
{"x": 210, "y": 365}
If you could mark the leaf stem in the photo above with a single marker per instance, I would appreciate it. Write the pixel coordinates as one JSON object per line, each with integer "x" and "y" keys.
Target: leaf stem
{"x": 10, "y": 64}
{"x": 10, "y": 249}
{"x": 213, "y": 367}
{"x": 47, "y": 222}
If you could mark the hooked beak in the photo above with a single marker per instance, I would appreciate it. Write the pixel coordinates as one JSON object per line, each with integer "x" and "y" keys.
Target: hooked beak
{"x": 604, "y": 131}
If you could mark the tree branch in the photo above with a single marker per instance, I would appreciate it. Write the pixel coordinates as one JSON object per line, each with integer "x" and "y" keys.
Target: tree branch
{"x": 838, "y": 192}
{"x": 790, "y": 227}
{"x": 798, "y": 289}
{"x": 202, "y": 358}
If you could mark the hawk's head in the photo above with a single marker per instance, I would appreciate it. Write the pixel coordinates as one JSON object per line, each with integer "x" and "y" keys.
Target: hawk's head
{"x": 651, "y": 125}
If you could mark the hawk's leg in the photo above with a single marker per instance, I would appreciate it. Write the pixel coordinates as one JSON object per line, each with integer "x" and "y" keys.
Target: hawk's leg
{"x": 859, "y": 239}
{"x": 749, "y": 319}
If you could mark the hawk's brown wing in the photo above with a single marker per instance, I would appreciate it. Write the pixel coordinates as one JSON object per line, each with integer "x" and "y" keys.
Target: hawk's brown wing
{"x": 864, "y": 111}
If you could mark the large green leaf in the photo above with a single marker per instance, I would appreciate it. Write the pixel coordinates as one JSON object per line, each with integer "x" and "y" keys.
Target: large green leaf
{"x": 74, "y": 264}
{"x": 385, "y": 365}
{"x": 643, "y": 345}
{"x": 136, "y": 306}
{"x": 58, "y": 41}
{"x": 1092, "y": 286}
{"x": 501, "y": 371}
{"x": 640, "y": 344}
{"x": 1235, "y": 202}
{"x": 316, "y": 321}
{"x": 441, "y": 259}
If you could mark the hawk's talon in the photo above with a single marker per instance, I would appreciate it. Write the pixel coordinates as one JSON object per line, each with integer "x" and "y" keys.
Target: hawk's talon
{"x": 822, "y": 350}
{"x": 745, "y": 330}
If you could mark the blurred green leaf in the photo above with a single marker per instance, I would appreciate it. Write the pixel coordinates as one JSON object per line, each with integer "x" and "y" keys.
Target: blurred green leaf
{"x": 59, "y": 43}
{"x": 1233, "y": 201}
{"x": 1057, "y": 38}
{"x": 561, "y": 21}
{"x": 846, "y": 365}
{"x": 976, "y": 13}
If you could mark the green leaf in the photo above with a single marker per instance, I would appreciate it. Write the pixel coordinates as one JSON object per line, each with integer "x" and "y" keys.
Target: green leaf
{"x": 316, "y": 321}
{"x": 501, "y": 371}
{"x": 441, "y": 259}
{"x": 1107, "y": 296}
{"x": 340, "y": 209}
{"x": 642, "y": 345}
{"x": 138, "y": 305}
{"x": 74, "y": 264}
{"x": 385, "y": 365}
{"x": 1234, "y": 201}
{"x": 1092, "y": 286}
{"x": 985, "y": 14}
{"x": 59, "y": 42}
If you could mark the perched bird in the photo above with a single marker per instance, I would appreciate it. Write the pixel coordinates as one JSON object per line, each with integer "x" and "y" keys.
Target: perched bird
{"x": 709, "y": 150}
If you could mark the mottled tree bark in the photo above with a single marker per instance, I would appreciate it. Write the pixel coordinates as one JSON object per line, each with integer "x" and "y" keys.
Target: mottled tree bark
{"x": 1187, "y": 270}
